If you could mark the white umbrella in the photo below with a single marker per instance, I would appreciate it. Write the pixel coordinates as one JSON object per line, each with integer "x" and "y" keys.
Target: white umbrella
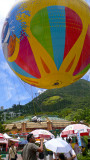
{"x": 58, "y": 145}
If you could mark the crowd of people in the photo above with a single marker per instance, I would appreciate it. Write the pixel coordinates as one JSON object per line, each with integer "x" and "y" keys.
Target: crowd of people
{"x": 31, "y": 151}
{"x": 71, "y": 155}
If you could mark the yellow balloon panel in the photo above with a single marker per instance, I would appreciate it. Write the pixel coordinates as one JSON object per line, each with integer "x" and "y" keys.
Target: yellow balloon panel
{"x": 47, "y": 42}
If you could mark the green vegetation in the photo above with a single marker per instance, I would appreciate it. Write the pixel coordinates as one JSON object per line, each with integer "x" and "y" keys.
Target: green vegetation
{"x": 51, "y": 100}
{"x": 11, "y": 120}
{"x": 86, "y": 157}
{"x": 71, "y": 103}
{"x": 2, "y": 129}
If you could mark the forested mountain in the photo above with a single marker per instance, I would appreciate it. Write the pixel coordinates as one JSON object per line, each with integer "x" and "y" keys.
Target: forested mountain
{"x": 71, "y": 102}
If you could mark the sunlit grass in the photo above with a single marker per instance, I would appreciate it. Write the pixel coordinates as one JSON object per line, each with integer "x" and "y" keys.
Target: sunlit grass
{"x": 52, "y": 100}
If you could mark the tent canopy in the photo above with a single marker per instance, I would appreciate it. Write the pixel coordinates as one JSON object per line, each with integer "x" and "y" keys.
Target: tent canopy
{"x": 6, "y": 136}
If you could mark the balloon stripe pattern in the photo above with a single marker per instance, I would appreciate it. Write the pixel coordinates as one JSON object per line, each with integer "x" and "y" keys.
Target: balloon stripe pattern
{"x": 47, "y": 42}
{"x": 85, "y": 56}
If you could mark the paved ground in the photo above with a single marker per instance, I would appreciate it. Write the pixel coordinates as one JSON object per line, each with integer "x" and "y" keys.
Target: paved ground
{"x": 20, "y": 158}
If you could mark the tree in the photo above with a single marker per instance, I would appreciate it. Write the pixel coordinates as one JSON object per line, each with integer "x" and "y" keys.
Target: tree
{"x": 2, "y": 129}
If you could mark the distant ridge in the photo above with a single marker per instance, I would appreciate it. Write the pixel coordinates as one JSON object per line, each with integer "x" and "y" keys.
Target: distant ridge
{"x": 71, "y": 102}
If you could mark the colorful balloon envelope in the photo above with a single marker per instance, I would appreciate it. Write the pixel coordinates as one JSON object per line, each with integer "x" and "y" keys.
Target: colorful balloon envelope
{"x": 47, "y": 42}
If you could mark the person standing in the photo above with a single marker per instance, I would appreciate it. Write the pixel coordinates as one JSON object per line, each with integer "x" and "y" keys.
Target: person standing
{"x": 71, "y": 154}
{"x": 30, "y": 149}
{"x": 55, "y": 156}
{"x": 70, "y": 141}
{"x": 88, "y": 145}
{"x": 62, "y": 157}
{"x": 77, "y": 148}
{"x": 12, "y": 152}
{"x": 1, "y": 148}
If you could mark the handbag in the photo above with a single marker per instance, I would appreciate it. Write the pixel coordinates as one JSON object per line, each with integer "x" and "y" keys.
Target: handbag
{"x": 41, "y": 155}
{"x": 15, "y": 154}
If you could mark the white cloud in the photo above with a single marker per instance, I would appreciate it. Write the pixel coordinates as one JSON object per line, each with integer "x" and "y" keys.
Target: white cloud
{"x": 5, "y": 7}
{"x": 22, "y": 97}
{"x": 6, "y": 86}
{"x": 13, "y": 90}
{"x": 87, "y": 76}
{"x": 3, "y": 77}
{"x": 6, "y": 68}
{"x": 11, "y": 86}
{"x": 41, "y": 91}
{"x": 8, "y": 93}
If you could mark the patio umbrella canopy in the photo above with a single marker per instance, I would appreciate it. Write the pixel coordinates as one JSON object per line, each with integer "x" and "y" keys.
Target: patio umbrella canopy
{"x": 41, "y": 133}
{"x": 3, "y": 141}
{"x": 6, "y": 136}
{"x": 2, "y": 138}
{"x": 74, "y": 129}
{"x": 58, "y": 145}
{"x": 23, "y": 142}
{"x": 1, "y": 135}
{"x": 14, "y": 140}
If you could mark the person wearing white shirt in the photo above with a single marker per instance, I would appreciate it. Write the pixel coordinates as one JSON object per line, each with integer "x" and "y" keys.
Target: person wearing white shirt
{"x": 71, "y": 154}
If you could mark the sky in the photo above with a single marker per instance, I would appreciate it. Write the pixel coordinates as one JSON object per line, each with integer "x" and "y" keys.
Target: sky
{"x": 12, "y": 89}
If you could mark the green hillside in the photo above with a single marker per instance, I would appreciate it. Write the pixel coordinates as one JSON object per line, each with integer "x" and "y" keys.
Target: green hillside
{"x": 71, "y": 102}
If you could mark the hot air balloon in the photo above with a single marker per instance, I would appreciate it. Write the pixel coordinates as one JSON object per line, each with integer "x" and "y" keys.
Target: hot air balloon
{"x": 47, "y": 42}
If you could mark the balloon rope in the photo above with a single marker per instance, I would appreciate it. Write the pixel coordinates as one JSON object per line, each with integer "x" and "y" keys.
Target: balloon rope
{"x": 33, "y": 101}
